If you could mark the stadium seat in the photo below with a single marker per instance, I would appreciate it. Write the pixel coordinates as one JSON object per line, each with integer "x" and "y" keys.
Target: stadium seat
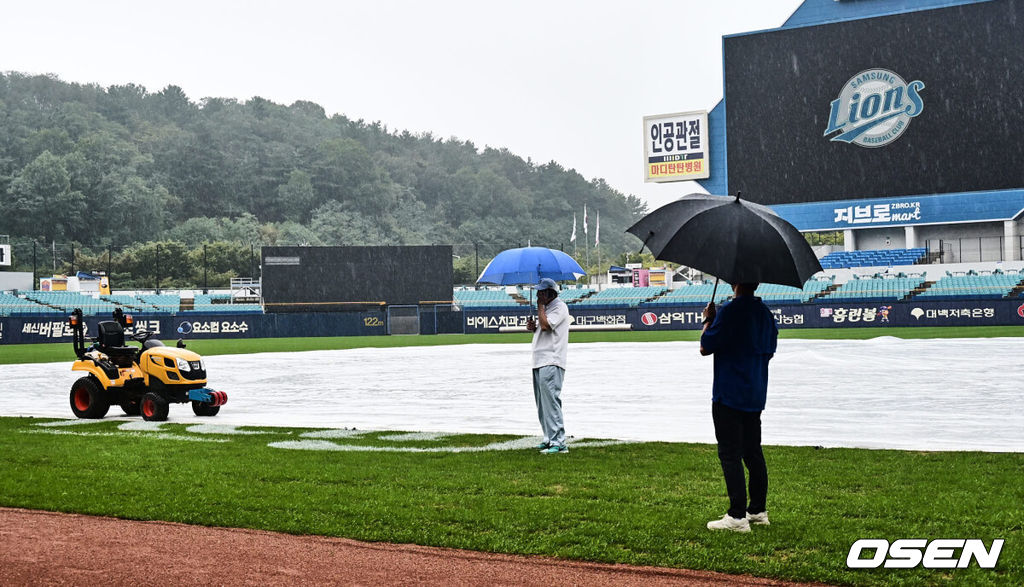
{"x": 622, "y": 296}
{"x": 875, "y": 288}
{"x": 973, "y": 286}
{"x": 872, "y": 258}
{"x": 484, "y": 298}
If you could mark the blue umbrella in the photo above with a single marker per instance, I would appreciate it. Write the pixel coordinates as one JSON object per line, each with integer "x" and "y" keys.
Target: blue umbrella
{"x": 529, "y": 265}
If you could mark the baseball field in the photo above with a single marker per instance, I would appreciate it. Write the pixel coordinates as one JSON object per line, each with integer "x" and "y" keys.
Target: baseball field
{"x": 608, "y": 501}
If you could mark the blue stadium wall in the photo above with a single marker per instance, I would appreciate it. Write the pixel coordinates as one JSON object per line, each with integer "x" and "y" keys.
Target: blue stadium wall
{"x": 997, "y": 312}
{"x": 20, "y": 330}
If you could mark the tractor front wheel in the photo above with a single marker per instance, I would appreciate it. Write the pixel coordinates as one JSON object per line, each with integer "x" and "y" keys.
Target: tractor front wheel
{"x": 88, "y": 400}
{"x": 204, "y": 409}
{"x": 153, "y": 407}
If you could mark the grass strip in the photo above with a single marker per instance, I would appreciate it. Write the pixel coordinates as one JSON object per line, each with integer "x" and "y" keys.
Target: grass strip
{"x": 642, "y": 503}
{"x": 47, "y": 353}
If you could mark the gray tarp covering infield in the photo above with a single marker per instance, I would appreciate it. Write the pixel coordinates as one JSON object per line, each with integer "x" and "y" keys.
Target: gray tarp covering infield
{"x": 951, "y": 394}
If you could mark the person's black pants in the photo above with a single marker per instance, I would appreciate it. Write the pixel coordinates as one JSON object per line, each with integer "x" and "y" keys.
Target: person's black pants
{"x": 739, "y": 443}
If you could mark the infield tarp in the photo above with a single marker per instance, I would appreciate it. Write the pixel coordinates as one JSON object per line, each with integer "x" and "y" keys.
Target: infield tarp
{"x": 938, "y": 394}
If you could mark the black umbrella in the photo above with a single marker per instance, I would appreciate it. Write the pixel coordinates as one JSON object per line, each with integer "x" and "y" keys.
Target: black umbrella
{"x": 735, "y": 240}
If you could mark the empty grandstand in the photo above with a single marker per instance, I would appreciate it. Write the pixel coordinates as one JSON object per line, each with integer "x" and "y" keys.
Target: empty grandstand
{"x": 126, "y": 302}
{"x": 483, "y": 298}
{"x": 877, "y": 287}
{"x": 12, "y": 305}
{"x": 973, "y": 285}
{"x": 66, "y": 301}
{"x": 573, "y": 294}
{"x": 873, "y": 258}
{"x": 784, "y": 294}
{"x": 33, "y": 303}
{"x": 164, "y": 303}
{"x": 691, "y": 292}
{"x": 622, "y": 296}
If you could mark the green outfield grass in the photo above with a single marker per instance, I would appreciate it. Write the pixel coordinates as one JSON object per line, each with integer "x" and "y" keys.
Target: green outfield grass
{"x": 643, "y": 503}
{"x": 46, "y": 353}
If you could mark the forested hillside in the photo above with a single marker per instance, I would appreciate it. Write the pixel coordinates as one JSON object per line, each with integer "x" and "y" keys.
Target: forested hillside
{"x": 111, "y": 168}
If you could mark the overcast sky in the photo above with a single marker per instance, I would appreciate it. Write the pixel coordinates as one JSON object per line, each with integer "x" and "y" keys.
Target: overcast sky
{"x": 563, "y": 80}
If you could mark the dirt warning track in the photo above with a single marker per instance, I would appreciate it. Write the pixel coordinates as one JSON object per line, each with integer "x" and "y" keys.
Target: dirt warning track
{"x": 47, "y": 548}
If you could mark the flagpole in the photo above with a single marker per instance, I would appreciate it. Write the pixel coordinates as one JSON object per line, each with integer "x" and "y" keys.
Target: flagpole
{"x": 586, "y": 242}
{"x": 573, "y": 239}
{"x": 597, "y": 239}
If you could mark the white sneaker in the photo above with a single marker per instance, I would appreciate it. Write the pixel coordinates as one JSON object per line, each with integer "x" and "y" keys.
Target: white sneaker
{"x": 730, "y": 523}
{"x": 760, "y": 519}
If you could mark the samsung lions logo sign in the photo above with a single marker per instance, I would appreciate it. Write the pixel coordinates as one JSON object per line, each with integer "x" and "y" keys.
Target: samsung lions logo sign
{"x": 874, "y": 108}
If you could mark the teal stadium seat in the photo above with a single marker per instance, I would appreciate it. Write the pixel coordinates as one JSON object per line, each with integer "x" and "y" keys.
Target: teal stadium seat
{"x": 974, "y": 286}
{"x": 872, "y": 258}
{"x": 875, "y": 288}
{"x": 483, "y": 298}
{"x": 621, "y": 296}
{"x": 784, "y": 294}
{"x": 12, "y": 305}
{"x": 63, "y": 302}
{"x": 693, "y": 293}
{"x": 161, "y": 303}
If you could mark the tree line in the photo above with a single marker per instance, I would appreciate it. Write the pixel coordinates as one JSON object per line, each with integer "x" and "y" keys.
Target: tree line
{"x": 118, "y": 167}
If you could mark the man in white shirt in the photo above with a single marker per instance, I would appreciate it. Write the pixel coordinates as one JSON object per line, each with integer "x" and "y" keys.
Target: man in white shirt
{"x": 550, "y": 347}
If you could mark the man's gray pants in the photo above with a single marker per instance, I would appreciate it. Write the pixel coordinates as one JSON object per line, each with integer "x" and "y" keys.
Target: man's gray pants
{"x": 547, "y": 390}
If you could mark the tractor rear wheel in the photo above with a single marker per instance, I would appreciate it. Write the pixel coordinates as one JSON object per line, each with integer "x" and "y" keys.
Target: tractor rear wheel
{"x": 88, "y": 400}
{"x": 204, "y": 409}
{"x": 153, "y": 407}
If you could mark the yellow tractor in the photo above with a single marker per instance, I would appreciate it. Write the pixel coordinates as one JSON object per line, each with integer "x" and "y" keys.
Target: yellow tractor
{"x": 141, "y": 379}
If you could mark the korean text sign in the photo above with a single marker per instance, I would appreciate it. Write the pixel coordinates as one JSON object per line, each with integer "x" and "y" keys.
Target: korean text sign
{"x": 676, "y": 147}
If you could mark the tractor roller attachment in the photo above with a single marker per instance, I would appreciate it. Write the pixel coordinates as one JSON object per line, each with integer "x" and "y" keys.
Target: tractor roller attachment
{"x": 207, "y": 402}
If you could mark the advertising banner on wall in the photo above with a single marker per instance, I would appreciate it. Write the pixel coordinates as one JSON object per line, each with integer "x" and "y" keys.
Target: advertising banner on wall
{"x": 910, "y": 211}
{"x": 998, "y": 312}
{"x": 676, "y": 147}
{"x": 28, "y": 330}
{"x": 947, "y": 313}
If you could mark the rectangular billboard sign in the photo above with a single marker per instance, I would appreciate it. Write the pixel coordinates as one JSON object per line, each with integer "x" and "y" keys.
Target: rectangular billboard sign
{"x": 5, "y": 255}
{"x": 676, "y": 147}
{"x": 345, "y": 278}
{"x": 922, "y": 102}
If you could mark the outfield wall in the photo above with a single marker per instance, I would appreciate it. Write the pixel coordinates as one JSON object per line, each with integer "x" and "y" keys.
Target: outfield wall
{"x": 19, "y": 330}
{"x": 444, "y": 320}
{"x": 1000, "y": 312}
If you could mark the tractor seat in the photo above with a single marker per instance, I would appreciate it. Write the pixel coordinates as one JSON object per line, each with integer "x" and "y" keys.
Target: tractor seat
{"x": 111, "y": 341}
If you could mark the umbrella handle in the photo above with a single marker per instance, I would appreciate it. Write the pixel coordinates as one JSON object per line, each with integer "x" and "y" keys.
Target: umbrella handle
{"x": 714, "y": 291}
{"x": 531, "y": 291}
